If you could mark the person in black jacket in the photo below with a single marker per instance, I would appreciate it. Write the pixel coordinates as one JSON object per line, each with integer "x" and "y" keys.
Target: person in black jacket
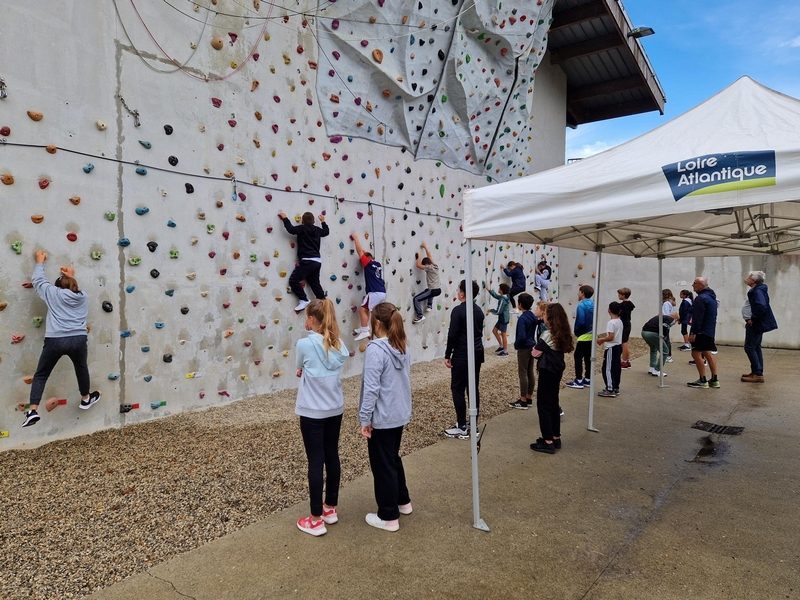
{"x": 758, "y": 320}
{"x": 701, "y": 335}
{"x": 309, "y": 261}
{"x": 455, "y": 358}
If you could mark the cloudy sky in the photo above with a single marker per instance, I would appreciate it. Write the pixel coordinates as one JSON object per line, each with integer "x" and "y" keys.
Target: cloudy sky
{"x": 701, "y": 47}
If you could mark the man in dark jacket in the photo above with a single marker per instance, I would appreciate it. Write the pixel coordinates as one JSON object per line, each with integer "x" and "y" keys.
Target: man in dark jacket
{"x": 701, "y": 336}
{"x": 758, "y": 320}
{"x": 309, "y": 261}
{"x": 518, "y": 282}
{"x": 455, "y": 358}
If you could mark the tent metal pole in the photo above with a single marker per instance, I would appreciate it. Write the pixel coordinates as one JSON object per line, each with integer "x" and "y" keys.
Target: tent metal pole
{"x": 661, "y": 339}
{"x": 472, "y": 411}
{"x": 595, "y": 319}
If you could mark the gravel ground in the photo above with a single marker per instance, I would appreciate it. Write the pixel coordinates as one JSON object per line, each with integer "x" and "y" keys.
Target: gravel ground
{"x": 81, "y": 514}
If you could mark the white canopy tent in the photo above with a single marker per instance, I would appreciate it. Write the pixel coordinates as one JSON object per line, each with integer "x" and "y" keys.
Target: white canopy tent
{"x": 723, "y": 179}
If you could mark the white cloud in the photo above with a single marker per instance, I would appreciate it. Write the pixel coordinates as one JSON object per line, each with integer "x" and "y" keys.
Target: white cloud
{"x": 793, "y": 43}
{"x": 587, "y": 150}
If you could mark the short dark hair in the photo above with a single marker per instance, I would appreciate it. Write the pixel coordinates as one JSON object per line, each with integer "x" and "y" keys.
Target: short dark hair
{"x": 462, "y": 287}
{"x": 426, "y": 261}
{"x": 308, "y": 218}
{"x": 504, "y": 288}
{"x": 614, "y": 308}
{"x": 525, "y": 301}
{"x": 586, "y": 290}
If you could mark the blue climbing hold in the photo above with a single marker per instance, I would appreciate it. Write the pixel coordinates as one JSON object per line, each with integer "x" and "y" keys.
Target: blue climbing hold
{"x": 148, "y": 378}
{"x": 333, "y": 277}
{"x": 141, "y": 171}
{"x": 113, "y": 376}
{"x": 341, "y": 220}
{"x": 171, "y": 223}
{"x": 159, "y": 324}
{"x": 130, "y": 289}
{"x": 124, "y": 242}
{"x": 142, "y": 210}
{"x": 145, "y": 348}
{"x": 146, "y": 144}
{"x": 125, "y": 333}
{"x": 341, "y": 245}
{"x": 88, "y": 168}
{"x": 169, "y": 292}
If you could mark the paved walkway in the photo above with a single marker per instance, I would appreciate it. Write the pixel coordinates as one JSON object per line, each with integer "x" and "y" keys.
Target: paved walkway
{"x": 635, "y": 511}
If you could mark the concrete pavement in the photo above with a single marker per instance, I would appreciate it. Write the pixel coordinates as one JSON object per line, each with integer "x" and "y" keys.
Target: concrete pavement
{"x": 635, "y": 511}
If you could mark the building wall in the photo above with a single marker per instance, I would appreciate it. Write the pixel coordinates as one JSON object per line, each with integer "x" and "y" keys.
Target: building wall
{"x": 215, "y": 323}
{"x": 725, "y": 275}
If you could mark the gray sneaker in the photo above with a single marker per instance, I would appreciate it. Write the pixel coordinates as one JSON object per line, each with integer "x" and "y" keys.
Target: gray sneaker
{"x": 457, "y": 432}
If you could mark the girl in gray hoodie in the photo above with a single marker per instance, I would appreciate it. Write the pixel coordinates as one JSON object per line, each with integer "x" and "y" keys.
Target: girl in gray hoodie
{"x": 320, "y": 404}
{"x": 384, "y": 409}
{"x": 65, "y": 335}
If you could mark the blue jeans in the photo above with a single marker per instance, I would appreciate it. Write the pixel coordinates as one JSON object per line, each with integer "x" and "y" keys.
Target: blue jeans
{"x": 752, "y": 347}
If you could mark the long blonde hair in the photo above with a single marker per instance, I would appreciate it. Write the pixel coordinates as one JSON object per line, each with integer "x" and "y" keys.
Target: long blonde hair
{"x": 391, "y": 323}
{"x": 325, "y": 313}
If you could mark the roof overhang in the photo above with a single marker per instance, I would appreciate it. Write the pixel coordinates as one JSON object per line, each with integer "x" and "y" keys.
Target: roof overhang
{"x": 608, "y": 74}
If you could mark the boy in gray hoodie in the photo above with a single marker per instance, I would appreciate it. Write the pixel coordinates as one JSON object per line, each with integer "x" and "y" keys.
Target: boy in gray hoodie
{"x": 65, "y": 335}
{"x": 384, "y": 408}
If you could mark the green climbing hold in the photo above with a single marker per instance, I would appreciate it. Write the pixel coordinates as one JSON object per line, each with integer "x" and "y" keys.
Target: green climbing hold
{"x": 467, "y": 58}
{"x": 37, "y": 321}
{"x": 253, "y": 257}
{"x": 134, "y": 261}
{"x": 441, "y": 190}
{"x": 146, "y": 144}
{"x": 174, "y": 253}
{"x": 16, "y": 246}
{"x": 96, "y": 255}
{"x": 444, "y": 98}
{"x": 210, "y": 228}
{"x": 110, "y": 216}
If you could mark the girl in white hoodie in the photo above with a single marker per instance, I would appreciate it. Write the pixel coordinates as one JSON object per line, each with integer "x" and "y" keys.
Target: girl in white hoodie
{"x": 320, "y": 404}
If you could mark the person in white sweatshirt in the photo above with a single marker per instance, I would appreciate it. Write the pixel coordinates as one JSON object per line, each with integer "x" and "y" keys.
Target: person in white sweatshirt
{"x": 65, "y": 335}
{"x": 383, "y": 410}
{"x": 320, "y": 404}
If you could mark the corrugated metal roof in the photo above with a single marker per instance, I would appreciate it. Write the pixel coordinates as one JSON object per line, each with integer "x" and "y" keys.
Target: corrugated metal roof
{"x": 608, "y": 74}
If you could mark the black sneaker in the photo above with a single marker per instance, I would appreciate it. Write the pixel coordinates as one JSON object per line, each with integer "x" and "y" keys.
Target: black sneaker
{"x": 520, "y": 405}
{"x": 700, "y": 383}
{"x": 90, "y": 401}
{"x": 556, "y": 443}
{"x": 31, "y": 418}
{"x": 541, "y": 446}
{"x": 607, "y": 394}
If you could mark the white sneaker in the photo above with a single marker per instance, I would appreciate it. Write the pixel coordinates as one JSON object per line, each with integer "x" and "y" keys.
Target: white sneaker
{"x": 418, "y": 319}
{"x": 668, "y": 359}
{"x": 405, "y": 509}
{"x": 429, "y": 309}
{"x": 457, "y": 432}
{"x": 301, "y": 306}
{"x": 374, "y": 520}
{"x": 362, "y": 335}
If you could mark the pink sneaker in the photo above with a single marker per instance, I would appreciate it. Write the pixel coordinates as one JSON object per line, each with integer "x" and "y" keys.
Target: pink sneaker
{"x": 329, "y": 515}
{"x": 405, "y": 509}
{"x": 310, "y": 526}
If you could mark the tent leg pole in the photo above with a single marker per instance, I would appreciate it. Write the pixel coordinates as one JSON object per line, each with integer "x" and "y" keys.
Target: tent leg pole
{"x": 472, "y": 411}
{"x": 661, "y": 338}
{"x": 595, "y": 318}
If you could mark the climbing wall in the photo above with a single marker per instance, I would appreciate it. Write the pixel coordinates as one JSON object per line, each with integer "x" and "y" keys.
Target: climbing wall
{"x": 157, "y": 166}
{"x": 451, "y": 81}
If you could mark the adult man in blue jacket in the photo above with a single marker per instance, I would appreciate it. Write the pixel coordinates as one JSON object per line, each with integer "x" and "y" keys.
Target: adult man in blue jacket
{"x": 701, "y": 336}
{"x": 758, "y": 320}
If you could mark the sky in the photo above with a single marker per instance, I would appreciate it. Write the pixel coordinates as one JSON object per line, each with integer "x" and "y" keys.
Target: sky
{"x": 699, "y": 48}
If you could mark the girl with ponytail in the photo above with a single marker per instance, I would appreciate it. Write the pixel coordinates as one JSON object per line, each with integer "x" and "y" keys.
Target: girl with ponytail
{"x": 320, "y": 404}
{"x": 384, "y": 409}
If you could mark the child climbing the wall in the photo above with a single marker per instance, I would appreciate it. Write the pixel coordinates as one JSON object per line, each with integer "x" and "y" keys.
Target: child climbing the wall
{"x": 455, "y": 358}
{"x": 626, "y": 308}
{"x": 384, "y": 408}
{"x": 611, "y": 340}
{"x": 500, "y": 330}
{"x": 517, "y": 275}
{"x": 542, "y": 281}
{"x": 433, "y": 289}
{"x": 309, "y": 260}
{"x": 524, "y": 341}
{"x": 375, "y": 287}
{"x": 65, "y": 335}
{"x": 320, "y": 404}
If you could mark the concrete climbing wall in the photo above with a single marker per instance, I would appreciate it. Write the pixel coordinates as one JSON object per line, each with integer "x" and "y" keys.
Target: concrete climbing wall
{"x": 152, "y": 148}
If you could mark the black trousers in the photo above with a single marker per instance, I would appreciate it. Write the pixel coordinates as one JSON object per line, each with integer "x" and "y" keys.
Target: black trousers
{"x": 459, "y": 386}
{"x": 515, "y": 289}
{"x": 308, "y": 271}
{"x": 547, "y": 404}
{"x": 583, "y": 359}
{"x": 425, "y": 296}
{"x": 321, "y": 439}
{"x": 612, "y": 367}
{"x": 74, "y": 346}
{"x": 387, "y": 471}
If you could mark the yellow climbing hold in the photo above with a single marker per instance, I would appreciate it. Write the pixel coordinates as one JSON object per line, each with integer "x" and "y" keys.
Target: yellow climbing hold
{"x": 216, "y": 43}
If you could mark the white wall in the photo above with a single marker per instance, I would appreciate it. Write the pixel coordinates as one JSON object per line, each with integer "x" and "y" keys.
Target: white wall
{"x": 725, "y": 275}
{"x": 71, "y": 66}
{"x": 549, "y": 117}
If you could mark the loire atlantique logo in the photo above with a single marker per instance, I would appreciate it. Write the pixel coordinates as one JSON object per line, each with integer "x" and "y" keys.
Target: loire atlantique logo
{"x": 715, "y": 173}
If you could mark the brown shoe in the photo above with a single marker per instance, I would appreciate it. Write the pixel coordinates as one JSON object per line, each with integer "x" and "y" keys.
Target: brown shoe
{"x": 750, "y": 374}
{"x": 753, "y": 378}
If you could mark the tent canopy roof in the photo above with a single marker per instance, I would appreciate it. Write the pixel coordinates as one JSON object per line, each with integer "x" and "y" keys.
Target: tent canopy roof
{"x": 722, "y": 179}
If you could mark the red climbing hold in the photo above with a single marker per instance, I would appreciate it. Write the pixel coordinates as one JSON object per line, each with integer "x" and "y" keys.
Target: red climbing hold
{"x": 232, "y": 122}
{"x": 44, "y": 183}
{"x": 72, "y": 236}
{"x": 216, "y": 102}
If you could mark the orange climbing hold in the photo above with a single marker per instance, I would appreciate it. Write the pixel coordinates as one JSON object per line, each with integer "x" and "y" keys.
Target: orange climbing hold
{"x": 7, "y": 178}
{"x": 377, "y": 55}
{"x": 75, "y": 200}
{"x": 35, "y": 115}
{"x": 37, "y": 218}
{"x": 217, "y": 43}
{"x": 51, "y": 148}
